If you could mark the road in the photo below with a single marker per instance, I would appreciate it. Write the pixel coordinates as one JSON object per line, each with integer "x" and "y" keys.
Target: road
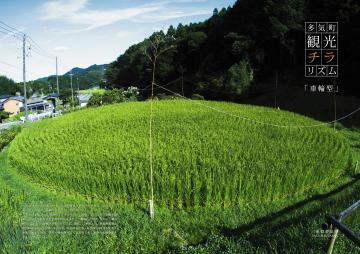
{"x": 8, "y": 125}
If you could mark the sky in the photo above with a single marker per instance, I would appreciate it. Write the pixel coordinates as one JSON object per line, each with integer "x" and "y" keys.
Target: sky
{"x": 86, "y": 32}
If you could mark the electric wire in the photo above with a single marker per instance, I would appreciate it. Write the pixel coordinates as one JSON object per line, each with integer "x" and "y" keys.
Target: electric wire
{"x": 257, "y": 121}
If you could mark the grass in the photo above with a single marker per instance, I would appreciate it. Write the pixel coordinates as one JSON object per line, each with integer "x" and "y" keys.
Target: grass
{"x": 288, "y": 225}
{"x": 285, "y": 224}
{"x": 201, "y": 158}
{"x": 93, "y": 91}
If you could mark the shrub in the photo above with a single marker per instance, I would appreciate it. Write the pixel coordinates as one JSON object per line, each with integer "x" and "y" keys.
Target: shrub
{"x": 6, "y": 136}
{"x": 114, "y": 96}
{"x": 3, "y": 116}
{"x": 131, "y": 94}
{"x": 95, "y": 100}
{"x": 197, "y": 96}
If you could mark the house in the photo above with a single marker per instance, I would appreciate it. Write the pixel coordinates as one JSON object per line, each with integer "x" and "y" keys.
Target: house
{"x": 36, "y": 104}
{"x": 53, "y": 98}
{"x": 13, "y": 105}
{"x": 3, "y": 98}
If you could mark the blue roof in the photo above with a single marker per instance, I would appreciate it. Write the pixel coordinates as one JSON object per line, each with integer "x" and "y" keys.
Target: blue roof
{"x": 5, "y": 96}
{"x": 18, "y": 98}
{"x": 53, "y": 95}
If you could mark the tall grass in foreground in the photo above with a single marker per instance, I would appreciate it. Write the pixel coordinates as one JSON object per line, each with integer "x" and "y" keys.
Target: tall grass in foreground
{"x": 201, "y": 157}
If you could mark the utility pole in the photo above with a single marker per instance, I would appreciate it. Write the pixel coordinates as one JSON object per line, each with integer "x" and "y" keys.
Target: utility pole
{"x": 77, "y": 80}
{"x": 24, "y": 75}
{"x": 57, "y": 77}
{"x": 72, "y": 90}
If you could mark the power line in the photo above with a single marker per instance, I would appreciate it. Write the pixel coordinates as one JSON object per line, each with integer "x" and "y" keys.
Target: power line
{"x": 9, "y": 32}
{"x": 11, "y": 65}
{"x": 16, "y": 67}
{"x": 39, "y": 50}
{"x": 259, "y": 122}
{"x": 167, "y": 84}
{"x": 35, "y": 47}
{"x": 12, "y": 28}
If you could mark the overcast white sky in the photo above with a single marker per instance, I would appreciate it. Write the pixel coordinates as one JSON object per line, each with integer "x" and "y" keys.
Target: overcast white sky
{"x": 86, "y": 32}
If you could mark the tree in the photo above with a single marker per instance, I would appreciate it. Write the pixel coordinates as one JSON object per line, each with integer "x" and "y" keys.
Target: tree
{"x": 215, "y": 12}
{"x": 158, "y": 44}
{"x": 171, "y": 31}
{"x": 195, "y": 40}
{"x": 240, "y": 77}
{"x": 8, "y": 86}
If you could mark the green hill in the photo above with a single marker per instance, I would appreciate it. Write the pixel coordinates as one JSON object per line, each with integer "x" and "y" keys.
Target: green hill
{"x": 202, "y": 156}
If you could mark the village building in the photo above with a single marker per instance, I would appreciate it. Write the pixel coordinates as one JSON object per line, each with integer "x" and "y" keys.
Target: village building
{"x": 13, "y": 105}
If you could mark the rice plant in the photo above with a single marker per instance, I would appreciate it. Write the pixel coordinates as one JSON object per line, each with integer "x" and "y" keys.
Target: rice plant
{"x": 202, "y": 158}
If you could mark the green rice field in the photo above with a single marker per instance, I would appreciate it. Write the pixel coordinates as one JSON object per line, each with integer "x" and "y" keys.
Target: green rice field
{"x": 202, "y": 157}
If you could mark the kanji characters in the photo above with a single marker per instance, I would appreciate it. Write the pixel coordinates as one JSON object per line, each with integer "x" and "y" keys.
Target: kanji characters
{"x": 321, "y": 52}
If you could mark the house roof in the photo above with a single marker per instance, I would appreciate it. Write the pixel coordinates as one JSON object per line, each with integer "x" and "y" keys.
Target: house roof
{"x": 52, "y": 96}
{"x": 2, "y": 97}
{"x": 35, "y": 100}
{"x": 14, "y": 98}
{"x": 18, "y": 98}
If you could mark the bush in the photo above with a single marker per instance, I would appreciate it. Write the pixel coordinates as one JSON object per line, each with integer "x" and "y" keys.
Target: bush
{"x": 131, "y": 94}
{"x": 3, "y": 116}
{"x": 114, "y": 96}
{"x": 74, "y": 102}
{"x": 197, "y": 96}
{"x": 95, "y": 100}
{"x": 6, "y": 136}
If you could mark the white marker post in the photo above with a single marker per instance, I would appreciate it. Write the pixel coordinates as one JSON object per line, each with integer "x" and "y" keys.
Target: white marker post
{"x": 151, "y": 209}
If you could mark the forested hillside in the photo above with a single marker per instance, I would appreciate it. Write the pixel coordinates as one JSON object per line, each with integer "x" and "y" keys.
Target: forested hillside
{"x": 85, "y": 77}
{"x": 228, "y": 55}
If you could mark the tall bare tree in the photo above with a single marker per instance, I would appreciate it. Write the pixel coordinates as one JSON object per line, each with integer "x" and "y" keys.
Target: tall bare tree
{"x": 158, "y": 44}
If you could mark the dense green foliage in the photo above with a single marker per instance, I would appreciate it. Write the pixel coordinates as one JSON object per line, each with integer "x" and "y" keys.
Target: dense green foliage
{"x": 267, "y": 34}
{"x": 8, "y": 86}
{"x": 113, "y": 96}
{"x": 93, "y": 91}
{"x": 6, "y": 136}
{"x": 3, "y": 115}
{"x": 83, "y": 78}
{"x": 202, "y": 157}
